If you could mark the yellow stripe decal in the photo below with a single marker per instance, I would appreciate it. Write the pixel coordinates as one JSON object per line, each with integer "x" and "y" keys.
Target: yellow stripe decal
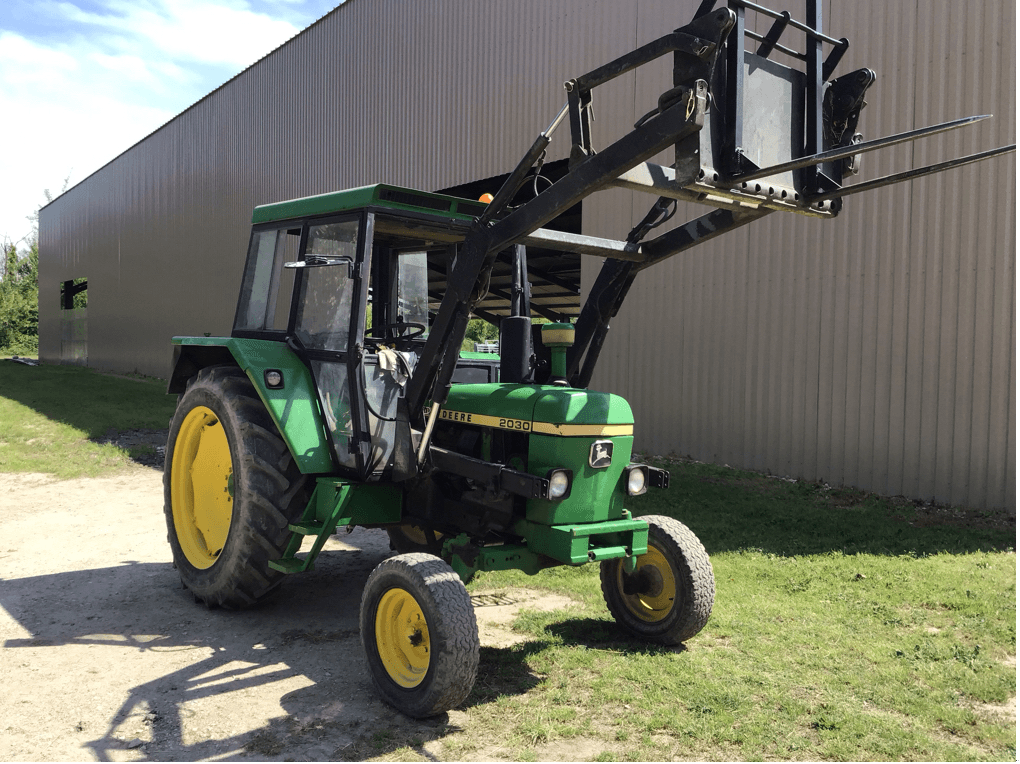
{"x": 583, "y": 429}
{"x": 544, "y": 428}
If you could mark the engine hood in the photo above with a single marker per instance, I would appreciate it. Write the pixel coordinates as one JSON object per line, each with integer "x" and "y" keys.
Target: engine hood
{"x": 544, "y": 409}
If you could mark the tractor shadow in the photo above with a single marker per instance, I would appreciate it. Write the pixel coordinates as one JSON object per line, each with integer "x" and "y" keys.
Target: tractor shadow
{"x": 285, "y": 680}
{"x": 144, "y": 447}
{"x": 504, "y": 671}
{"x": 607, "y": 636}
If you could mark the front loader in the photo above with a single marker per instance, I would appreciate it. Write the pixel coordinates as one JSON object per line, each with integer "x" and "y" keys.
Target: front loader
{"x": 342, "y": 399}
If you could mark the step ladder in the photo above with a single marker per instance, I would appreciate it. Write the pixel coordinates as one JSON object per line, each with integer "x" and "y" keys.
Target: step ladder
{"x": 309, "y": 525}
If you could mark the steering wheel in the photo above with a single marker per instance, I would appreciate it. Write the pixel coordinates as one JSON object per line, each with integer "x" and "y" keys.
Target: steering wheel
{"x": 374, "y": 332}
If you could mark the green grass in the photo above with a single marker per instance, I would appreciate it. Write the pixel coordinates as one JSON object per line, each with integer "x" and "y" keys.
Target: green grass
{"x": 846, "y": 627}
{"x": 53, "y": 419}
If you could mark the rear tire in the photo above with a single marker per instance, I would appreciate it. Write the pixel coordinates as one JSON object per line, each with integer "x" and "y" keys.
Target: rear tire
{"x": 419, "y": 633}
{"x": 230, "y": 489}
{"x": 669, "y": 596}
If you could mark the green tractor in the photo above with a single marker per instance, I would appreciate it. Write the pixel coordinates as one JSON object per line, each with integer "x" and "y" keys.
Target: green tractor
{"x": 341, "y": 397}
{"x": 299, "y": 423}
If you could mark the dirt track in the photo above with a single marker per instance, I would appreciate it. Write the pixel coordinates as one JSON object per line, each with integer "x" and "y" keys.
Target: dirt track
{"x": 106, "y": 657}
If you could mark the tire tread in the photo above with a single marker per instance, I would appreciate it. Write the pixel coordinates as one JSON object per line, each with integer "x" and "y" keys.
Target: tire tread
{"x": 272, "y": 490}
{"x": 695, "y": 582}
{"x": 453, "y": 629}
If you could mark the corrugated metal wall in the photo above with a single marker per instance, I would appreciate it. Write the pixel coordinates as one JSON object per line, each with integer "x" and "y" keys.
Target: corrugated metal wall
{"x": 874, "y": 350}
{"x": 428, "y": 95}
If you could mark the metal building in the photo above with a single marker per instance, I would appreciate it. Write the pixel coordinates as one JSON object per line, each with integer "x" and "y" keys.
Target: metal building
{"x": 876, "y": 350}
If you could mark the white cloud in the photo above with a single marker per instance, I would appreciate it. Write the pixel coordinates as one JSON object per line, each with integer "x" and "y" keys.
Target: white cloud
{"x": 63, "y": 118}
{"x": 223, "y": 32}
{"x": 75, "y": 100}
{"x": 25, "y": 64}
{"x": 126, "y": 69}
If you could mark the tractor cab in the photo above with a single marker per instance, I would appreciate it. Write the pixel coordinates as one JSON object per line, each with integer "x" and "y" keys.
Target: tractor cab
{"x": 343, "y": 279}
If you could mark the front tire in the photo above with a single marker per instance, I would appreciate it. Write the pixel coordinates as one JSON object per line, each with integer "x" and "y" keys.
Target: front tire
{"x": 419, "y": 633}
{"x": 669, "y": 596}
{"x": 230, "y": 489}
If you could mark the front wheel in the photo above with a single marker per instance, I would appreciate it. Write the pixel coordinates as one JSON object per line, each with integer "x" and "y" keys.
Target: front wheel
{"x": 419, "y": 633}
{"x": 669, "y": 596}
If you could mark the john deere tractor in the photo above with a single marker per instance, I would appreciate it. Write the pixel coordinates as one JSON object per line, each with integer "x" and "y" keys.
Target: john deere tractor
{"x": 341, "y": 397}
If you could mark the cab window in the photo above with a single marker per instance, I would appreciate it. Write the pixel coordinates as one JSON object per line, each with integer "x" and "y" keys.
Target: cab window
{"x": 413, "y": 288}
{"x": 266, "y": 287}
{"x": 326, "y": 295}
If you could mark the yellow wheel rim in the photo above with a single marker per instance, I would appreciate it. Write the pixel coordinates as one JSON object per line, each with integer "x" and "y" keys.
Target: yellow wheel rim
{"x": 402, "y": 638}
{"x": 656, "y": 600}
{"x": 202, "y": 487}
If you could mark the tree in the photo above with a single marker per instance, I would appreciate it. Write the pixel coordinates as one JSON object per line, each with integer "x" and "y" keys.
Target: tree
{"x": 19, "y": 300}
{"x": 19, "y": 289}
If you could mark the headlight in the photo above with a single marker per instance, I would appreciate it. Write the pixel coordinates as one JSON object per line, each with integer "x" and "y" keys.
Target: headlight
{"x": 559, "y": 484}
{"x": 637, "y": 480}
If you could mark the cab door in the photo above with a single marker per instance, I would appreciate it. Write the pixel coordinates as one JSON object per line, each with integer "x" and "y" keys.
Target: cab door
{"x": 328, "y": 322}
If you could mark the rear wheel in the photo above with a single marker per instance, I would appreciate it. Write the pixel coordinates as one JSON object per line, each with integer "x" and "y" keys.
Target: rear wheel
{"x": 230, "y": 489}
{"x": 419, "y": 633}
{"x": 669, "y": 596}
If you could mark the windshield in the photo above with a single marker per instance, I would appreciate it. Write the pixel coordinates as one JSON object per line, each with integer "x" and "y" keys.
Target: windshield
{"x": 327, "y": 291}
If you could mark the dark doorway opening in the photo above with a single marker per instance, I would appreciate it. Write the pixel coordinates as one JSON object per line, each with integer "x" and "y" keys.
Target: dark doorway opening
{"x": 74, "y": 326}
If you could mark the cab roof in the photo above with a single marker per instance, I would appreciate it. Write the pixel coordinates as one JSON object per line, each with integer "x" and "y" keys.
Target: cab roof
{"x": 555, "y": 276}
{"x": 379, "y": 195}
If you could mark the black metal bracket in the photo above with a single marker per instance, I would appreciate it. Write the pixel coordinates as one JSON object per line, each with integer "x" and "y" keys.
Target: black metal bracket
{"x": 497, "y": 476}
{"x": 658, "y": 478}
{"x": 695, "y": 48}
{"x": 735, "y": 161}
{"x": 841, "y": 110}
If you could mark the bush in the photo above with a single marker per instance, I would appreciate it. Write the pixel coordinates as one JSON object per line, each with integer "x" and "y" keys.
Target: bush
{"x": 479, "y": 330}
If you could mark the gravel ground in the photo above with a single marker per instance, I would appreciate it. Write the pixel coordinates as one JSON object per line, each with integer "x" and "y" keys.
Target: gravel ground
{"x": 106, "y": 657}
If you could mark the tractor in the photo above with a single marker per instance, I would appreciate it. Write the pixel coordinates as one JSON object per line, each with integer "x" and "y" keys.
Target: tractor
{"x": 342, "y": 398}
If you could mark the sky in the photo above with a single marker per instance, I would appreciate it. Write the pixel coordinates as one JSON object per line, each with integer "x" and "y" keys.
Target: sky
{"x": 81, "y": 81}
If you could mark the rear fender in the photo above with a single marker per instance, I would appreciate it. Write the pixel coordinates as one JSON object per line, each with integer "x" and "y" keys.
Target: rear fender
{"x": 294, "y": 406}
{"x": 188, "y": 360}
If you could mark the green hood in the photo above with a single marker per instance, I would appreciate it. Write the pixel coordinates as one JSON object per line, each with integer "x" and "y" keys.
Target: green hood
{"x": 544, "y": 409}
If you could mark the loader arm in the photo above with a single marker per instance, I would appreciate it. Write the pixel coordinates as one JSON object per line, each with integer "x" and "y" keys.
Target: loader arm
{"x": 680, "y": 116}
